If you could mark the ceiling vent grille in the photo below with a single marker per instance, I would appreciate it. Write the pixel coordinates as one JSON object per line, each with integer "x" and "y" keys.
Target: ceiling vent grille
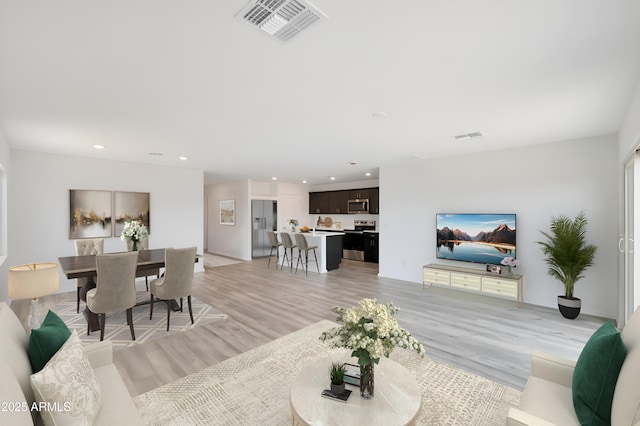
{"x": 279, "y": 19}
{"x": 472, "y": 135}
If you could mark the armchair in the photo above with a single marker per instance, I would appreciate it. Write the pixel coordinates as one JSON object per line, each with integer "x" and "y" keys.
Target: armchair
{"x": 548, "y": 400}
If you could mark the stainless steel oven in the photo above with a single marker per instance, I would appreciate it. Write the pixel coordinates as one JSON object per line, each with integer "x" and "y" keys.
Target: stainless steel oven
{"x": 353, "y": 247}
{"x": 358, "y": 206}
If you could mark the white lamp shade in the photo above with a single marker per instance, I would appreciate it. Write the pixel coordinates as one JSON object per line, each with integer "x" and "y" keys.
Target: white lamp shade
{"x": 33, "y": 280}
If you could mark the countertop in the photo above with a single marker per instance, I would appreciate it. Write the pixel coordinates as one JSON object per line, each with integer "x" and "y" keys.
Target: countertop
{"x": 317, "y": 233}
{"x": 331, "y": 230}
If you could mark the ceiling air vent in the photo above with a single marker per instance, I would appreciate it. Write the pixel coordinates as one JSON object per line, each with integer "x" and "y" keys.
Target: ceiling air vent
{"x": 279, "y": 19}
{"x": 468, "y": 136}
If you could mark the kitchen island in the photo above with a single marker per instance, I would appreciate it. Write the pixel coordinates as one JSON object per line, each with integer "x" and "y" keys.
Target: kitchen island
{"x": 329, "y": 249}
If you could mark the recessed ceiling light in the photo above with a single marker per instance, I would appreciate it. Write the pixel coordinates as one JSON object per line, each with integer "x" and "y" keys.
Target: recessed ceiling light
{"x": 156, "y": 154}
{"x": 332, "y": 178}
{"x": 98, "y": 146}
{"x": 274, "y": 178}
{"x": 183, "y": 158}
{"x": 379, "y": 115}
{"x": 353, "y": 163}
{"x": 304, "y": 181}
{"x": 368, "y": 174}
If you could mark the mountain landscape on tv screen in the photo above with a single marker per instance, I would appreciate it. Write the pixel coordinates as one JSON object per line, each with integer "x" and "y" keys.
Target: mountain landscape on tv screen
{"x": 501, "y": 235}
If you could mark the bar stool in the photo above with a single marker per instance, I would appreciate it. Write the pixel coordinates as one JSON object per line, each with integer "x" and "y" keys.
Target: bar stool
{"x": 275, "y": 244}
{"x": 301, "y": 241}
{"x": 287, "y": 244}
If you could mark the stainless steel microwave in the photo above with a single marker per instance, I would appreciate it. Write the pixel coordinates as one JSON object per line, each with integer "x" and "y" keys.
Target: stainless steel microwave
{"x": 358, "y": 206}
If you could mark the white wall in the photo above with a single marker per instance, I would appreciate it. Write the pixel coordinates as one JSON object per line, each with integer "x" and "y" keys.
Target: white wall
{"x": 536, "y": 183}
{"x": 229, "y": 240}
{"x": 39, "y": 205}
{"x": 5, "y": 166}
{"x": 629, "y": 135}
{"x": 235, "y": 241}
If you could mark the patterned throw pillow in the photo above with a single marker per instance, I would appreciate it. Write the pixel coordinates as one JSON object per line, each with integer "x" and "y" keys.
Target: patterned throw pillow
{"x": 66, "y": 389}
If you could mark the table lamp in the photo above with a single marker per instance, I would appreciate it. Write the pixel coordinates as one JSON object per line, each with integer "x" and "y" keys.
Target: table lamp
{"x": 30, "y": 282}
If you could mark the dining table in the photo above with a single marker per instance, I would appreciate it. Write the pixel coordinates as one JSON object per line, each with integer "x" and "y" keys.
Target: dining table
{"x": 80, "y": 266}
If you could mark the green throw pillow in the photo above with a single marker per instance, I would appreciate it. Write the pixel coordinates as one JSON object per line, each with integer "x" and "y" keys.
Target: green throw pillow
{"x": 45, "y": 341}
{"x": 596, "y": 374}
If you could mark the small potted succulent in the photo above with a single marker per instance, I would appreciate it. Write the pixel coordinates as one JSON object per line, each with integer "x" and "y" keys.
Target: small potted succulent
{"x": 337, "y": 378}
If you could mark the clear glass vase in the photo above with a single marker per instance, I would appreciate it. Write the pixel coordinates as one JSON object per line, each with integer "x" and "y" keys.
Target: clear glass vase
{"x": 366, "y": 381}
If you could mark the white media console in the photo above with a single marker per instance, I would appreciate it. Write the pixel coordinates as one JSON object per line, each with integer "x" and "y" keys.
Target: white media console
{"x": 504, "y": 286}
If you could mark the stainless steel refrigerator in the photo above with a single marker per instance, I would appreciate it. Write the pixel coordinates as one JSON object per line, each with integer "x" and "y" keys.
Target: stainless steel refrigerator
{"x": 264, "y": 214}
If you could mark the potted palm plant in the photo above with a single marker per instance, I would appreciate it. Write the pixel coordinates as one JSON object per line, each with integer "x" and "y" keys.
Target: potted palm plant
{"x": 568, "y": 255}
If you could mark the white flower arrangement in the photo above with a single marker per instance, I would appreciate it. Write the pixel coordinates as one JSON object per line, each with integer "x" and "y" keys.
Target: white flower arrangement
{"x": 134, "y": 231}
{"x": 370, "y": 331}
{"x": 510, "y": 261}
{"x": 293, "y": 222}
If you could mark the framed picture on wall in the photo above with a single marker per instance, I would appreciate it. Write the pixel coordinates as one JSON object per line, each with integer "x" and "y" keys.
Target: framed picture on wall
{"x": 130, "y": 206}
{"x": 89, "y": 214}
{"x": 227, "y": 212}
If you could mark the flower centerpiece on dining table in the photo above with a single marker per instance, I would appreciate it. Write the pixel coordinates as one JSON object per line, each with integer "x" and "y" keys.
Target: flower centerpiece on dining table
{"x": 134, "y": 231}
{"x": 370, "y": 331}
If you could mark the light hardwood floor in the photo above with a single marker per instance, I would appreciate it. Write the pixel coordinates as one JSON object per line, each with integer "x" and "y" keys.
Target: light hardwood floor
{"x": 486, "y": 336}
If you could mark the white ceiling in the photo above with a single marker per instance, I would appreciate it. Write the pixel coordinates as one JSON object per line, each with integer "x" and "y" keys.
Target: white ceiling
{"x": 184, "y": 77}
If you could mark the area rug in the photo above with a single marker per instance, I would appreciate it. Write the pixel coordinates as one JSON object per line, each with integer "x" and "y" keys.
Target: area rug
{"x": 116, "y": 324}
{"x": 253, "y": 388}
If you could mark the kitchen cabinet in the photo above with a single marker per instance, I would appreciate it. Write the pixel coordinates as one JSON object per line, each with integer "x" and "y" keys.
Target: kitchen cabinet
{"x": 318, "y": 202}
{"x": 359, "y": 194}
{"x": 374, "y": 201}
{"x": 371, "y": 247}
{"x": 476, "y": 281}
{"x": 336, "y": 202}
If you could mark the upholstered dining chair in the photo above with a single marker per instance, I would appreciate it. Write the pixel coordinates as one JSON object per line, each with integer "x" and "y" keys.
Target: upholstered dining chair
{"x": 115, "y": 290}
{"x": 275, "y": 244}
{"x": 90, "y": 246}
{"x": 287, "y": 244}
{"x": 177, "y": 280}
{"x": 303, "y": 253}
{"x": 144, "y": 245}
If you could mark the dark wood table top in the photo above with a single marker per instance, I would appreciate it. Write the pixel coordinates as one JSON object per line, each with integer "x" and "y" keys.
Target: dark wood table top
{"x": 85, "y": 266}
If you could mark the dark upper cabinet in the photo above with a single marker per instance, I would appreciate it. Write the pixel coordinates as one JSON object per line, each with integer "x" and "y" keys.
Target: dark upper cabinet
{"x": 336, "y": 202}
{"x": 359, "y": 194}
{"x": 374, "y": 201}
{"x": 318, "y": 202}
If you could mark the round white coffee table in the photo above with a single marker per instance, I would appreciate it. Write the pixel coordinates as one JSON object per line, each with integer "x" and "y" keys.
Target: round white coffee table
{"x": 396, "y": 398}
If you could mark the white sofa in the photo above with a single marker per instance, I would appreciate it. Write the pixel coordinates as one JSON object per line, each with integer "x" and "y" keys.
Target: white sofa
{"x": 547, "y": 397}
{"x": 117, "y": 407}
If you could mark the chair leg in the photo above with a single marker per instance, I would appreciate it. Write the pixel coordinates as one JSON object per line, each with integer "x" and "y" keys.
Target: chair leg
{"x": 284, "y": 259}
{"x": 146, "y": 282}
{"x": 270, "y": 254}
{"x": 78, "y": 302}
{"x": 168, "y": 313}
{"x": 190, "y": 310}
{"x": 130, "y": 321}
{"x": 151, "y": 307}
{"x": 102, "y": 322}
{"x": 298, "y": 261}
{"x": 181, "y": 304}
{"x": 316, "y": 258}
{"x": 306, "y": 263}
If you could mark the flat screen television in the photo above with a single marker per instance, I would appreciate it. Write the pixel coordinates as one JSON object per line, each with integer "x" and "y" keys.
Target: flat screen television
{"x": 478, "y": 238}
